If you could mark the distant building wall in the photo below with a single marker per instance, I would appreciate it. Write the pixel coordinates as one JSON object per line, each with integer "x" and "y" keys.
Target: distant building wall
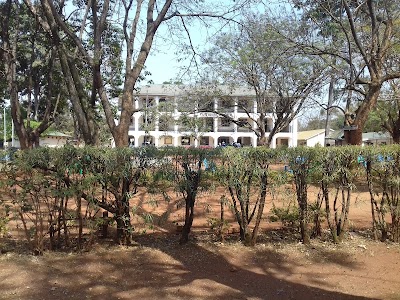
{"x": 149, "y": 128}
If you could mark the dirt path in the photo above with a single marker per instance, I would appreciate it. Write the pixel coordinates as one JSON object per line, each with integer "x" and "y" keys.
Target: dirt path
{"x": 158, "y": 268}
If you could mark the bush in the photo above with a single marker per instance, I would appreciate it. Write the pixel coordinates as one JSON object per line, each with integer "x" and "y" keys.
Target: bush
{"x": 59, "y": 194}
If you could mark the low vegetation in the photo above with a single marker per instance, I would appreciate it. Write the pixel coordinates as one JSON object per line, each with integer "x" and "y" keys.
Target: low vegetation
{"x": 66, "y": 198}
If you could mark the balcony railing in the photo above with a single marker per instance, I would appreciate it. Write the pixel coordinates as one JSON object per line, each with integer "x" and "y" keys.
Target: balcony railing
{"x": 242, "y": 129}
{"x": 224, "y": 129}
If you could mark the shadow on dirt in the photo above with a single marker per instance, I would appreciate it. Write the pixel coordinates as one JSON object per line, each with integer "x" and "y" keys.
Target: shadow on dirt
{"x": 158, "y": 268}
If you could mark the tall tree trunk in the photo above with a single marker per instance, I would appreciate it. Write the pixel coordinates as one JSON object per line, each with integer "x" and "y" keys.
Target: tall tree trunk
{"x": 120, "y": 131}
{"x": 122, "y": 215}
{"x": 28, "y": 137}
{"x": 261, "y": 205}
{"x": 192, "y": 179}
{"x": 239, "y": 215}
{"x": 358, "y": 119}
{"x": 301, "y": 191}
{"x": 328, "y": 111}
{"x": 353, "y": 136}
{"x": 189, "y": 216}
{"x": 79, "y": 99}
{"x": 9, "y": 45}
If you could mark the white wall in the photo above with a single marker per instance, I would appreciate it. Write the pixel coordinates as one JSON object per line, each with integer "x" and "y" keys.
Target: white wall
{"x": 318, "y": 139}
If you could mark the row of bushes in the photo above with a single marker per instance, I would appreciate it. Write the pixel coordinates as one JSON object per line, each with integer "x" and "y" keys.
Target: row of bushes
{"x": 51, "y": 191}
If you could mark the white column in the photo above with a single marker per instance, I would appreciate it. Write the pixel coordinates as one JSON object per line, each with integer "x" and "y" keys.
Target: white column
{"x": 294, "y": 132}
{"x": 273, "y": 143}
{"x": 215, "y": 120}
{"x": 136, "y": 118}
{"x": 156, "y": 139}
{"x": 156, "y": 127}
{"x": 254, "y": 141}
{"x": 136, "y": 141}
{"x": 176, "y": 118}
{"x": 215, "y": 140}
{"x": 235, "y": 118}
{"x": 175, "y": 140}
{"x": 136, "y": 103}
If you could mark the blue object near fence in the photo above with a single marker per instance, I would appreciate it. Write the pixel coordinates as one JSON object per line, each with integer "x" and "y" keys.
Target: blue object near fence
{"x": 209, "y": 166}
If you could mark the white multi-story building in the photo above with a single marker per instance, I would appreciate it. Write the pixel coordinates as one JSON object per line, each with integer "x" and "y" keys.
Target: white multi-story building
{"x": 158, "y": 120}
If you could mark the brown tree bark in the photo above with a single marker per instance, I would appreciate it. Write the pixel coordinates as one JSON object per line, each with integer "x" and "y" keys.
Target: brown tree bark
{"x": 373, "y": 56}
{"x": 353, "y": 137}
{"x": 192, "y": 179}
{"x": 357, "y": 121}
{"x": 83, "y": 110}
{"x": 260, "y": 210}
{"x": 27, "y": 136}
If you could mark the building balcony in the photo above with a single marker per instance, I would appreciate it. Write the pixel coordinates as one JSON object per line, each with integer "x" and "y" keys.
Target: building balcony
{"x": 224, "y": 129}
{"x": 241, "y": 129}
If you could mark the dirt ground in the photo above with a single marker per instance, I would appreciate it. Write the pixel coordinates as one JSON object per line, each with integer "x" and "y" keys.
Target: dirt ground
{"x": 157, "y": 267}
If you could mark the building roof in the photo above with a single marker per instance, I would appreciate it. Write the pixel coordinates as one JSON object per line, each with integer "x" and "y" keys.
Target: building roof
{"x": 56, "y": 134}
{"x": 180, "y": 89}
{"x": 368, "y": 136}
{"x": 336, "y": 135}
{"x": 308, "y": 134}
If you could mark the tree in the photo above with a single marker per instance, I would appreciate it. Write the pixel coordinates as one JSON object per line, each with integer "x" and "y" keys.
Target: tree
{"x": 30, "y": 70}
{"x": 140, "y": 23}
{"x": 388, "y": 110}
{"x": 258, "y": 57}
{"x": 368, "y": 37}
{"x": 88, "y": 34}
{"x": 191, "y": 179}
{"x": 245, "y": 174}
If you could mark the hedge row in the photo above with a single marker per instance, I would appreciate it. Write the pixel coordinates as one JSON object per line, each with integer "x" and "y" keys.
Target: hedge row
{"x": 57, "y": 195}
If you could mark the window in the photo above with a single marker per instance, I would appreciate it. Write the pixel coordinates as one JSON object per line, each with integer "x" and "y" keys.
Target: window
{"x": 226, "y": 103}
{"x": 268, "y": 125}
{"x": 207, "y": 106}
{"x": 205, "y": 141}
{"x": 245, "y": 105}
{"x": 148, "y": 119}
{"x": 162, "y": 104}
{"x": 225, "y": 122}
{"x": 243, "y": 122}
{"x": 147, "y": 102}
{"x": 209, "y": 124}
{"x": 185, "y": 141}
{"x": 284, "y": 143}
{"x": 168, "y": 140}
{"x": 164, "y": 123}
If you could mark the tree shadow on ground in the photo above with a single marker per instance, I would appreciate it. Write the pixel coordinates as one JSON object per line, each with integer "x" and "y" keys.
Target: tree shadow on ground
{"x": 161, "y": 269}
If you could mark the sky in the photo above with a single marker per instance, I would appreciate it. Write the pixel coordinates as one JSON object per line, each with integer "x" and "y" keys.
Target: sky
{"x": 162, "y": 66}
{"x": 163, "y": 62}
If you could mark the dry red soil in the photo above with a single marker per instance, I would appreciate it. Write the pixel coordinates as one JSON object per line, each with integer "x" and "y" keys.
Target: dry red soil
{"x": 157, "y": 267}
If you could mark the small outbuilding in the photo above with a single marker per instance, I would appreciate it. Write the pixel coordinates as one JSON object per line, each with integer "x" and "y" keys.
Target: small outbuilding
{"x": 336, "y": 138}
{"x": 311, "y": 138}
